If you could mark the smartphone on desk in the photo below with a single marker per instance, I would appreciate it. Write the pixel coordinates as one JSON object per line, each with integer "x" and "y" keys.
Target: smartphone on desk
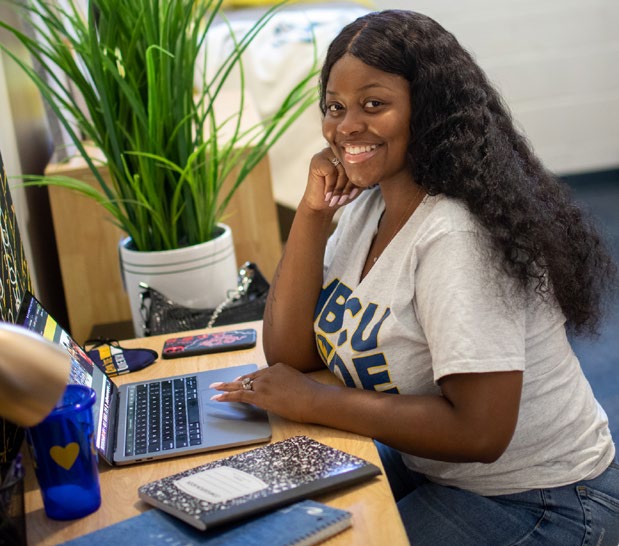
{"x": 215, "y": 342}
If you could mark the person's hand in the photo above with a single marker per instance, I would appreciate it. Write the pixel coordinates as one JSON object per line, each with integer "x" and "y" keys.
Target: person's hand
{"x": 278, "y": 388}
{"x": 328, "y": 186}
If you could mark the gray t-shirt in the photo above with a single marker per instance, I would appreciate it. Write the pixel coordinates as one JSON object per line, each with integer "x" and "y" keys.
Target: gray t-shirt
{"x": 434, "y": 304}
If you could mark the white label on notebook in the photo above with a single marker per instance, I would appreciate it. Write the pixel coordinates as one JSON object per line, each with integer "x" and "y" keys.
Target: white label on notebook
{"x": 220, "y": 484}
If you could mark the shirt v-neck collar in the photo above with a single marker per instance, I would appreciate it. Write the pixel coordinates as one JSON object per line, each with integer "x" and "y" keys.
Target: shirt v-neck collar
{"x": 369, "y": 232}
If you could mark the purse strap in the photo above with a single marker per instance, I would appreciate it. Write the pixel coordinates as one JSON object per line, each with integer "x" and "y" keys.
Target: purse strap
{"x": 246, "y": 277}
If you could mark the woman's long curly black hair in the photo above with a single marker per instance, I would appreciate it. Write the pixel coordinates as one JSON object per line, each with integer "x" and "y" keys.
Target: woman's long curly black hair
{"x": 464, "y": 145}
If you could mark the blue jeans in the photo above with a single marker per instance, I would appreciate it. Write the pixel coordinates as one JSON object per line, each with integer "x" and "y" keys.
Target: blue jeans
{"x": 581, "y": 514}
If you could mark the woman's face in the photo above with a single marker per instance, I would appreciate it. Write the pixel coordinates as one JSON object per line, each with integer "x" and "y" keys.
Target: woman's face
{"x": 367, "y": 121}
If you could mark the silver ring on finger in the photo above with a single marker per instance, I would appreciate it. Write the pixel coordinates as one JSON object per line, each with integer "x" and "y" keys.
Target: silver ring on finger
{"x": 335, "y": 161}
{"x": 248, "y": 384}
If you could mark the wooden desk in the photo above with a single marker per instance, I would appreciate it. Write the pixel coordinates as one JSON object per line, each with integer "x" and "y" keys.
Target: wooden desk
{"x": 375, "y": 517}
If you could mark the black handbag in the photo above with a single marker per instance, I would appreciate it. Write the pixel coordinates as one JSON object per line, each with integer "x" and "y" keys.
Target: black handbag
{"x": 161, "y": 315}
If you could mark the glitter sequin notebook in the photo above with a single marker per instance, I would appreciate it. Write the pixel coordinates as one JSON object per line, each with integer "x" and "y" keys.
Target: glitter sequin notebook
{"x": 257, "y": 480}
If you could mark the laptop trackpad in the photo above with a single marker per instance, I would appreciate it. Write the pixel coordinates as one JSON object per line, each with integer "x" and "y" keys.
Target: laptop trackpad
{"x": 229, "y": 411}
{"x": 232, "y": 422}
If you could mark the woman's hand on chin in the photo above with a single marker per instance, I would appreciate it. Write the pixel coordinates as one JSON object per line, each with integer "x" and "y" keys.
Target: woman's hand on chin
{"x": 328, "y": 187}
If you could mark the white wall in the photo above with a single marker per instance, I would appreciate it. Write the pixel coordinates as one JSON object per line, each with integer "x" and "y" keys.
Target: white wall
{"x": 556, "y": 63}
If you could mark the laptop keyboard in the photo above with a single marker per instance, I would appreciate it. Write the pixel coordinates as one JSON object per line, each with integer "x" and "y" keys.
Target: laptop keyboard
{"x": 162, "y": 415}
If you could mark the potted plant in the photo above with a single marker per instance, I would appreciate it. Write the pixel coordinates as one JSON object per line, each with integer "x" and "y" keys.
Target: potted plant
{"x": 131, "y": 77}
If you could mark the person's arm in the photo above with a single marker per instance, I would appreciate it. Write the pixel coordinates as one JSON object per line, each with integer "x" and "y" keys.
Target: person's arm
{"x": 473, "y": 420}
{"x": 288, "y": 334}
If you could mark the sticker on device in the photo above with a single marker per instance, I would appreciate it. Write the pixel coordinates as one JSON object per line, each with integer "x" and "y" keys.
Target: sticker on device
{"x": 220, "y": 484}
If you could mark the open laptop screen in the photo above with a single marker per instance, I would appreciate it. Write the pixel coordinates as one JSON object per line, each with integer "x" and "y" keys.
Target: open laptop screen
{"x": 34, "y": 317}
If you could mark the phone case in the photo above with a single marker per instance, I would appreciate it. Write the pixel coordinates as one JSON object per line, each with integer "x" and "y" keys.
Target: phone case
{"x": 216, "y": 342}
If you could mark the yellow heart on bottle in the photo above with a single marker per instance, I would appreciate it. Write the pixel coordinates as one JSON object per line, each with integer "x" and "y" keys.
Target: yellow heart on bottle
{"x": 65, "y": 456}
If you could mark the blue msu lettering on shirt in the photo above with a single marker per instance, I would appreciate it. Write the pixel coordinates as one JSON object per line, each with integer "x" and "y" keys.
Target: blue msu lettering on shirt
{"x": 370, "y": 364}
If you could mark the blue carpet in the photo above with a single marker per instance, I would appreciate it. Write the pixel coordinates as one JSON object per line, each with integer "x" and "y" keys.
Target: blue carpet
{"x": 598, "y": 194}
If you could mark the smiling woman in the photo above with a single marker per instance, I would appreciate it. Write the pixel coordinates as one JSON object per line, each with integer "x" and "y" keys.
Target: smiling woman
{"x": 367, "y": 122}
{"x": 443, "y": 299}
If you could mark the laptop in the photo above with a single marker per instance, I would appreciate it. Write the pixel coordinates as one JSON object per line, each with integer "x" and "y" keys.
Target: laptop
{"x": 155, "y": 419}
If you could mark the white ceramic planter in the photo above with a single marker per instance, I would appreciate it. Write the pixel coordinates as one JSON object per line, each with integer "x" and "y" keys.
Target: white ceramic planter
{"x": 197, "y": 276}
